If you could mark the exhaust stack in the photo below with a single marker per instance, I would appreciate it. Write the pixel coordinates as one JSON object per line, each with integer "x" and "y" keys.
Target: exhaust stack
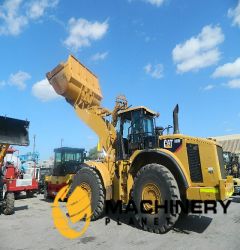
{"x": 175, "y": 120}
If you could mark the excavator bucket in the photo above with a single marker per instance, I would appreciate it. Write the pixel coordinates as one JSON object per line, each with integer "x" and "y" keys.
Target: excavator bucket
{"x": 76, "y": 83}
{"x": 14, "y": 131}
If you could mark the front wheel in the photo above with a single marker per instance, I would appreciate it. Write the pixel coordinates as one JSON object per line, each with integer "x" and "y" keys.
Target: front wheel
{"x": 8, "y": 203}
{"x": 88, "y": 179}
{"x": 155, "y": 185}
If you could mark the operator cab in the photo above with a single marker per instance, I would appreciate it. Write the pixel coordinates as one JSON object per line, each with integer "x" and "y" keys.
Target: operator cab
{"x": 135, "y": 131}
{"x": 67, "y": 160}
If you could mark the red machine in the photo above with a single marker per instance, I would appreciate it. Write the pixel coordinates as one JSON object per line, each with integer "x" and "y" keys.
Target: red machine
{"x": 17, "y": 181}
{"x": 12, "y": 179}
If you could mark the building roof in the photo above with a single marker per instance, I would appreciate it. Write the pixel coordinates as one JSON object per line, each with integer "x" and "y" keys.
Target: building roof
{"x": 230, "y": 143}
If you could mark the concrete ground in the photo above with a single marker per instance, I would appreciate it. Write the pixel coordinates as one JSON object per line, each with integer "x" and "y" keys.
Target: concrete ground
{"x": 31, "y": 227}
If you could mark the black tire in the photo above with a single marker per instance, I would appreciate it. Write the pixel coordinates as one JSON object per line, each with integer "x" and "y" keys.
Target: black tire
{"x": 90, "y": 176}
{"x": 16, "y": 195}
{"x": 163, "y": 179}
{"x": 8, "y": 204}
{"x": 30, "y": 194}
{"x": 45, "y": 192}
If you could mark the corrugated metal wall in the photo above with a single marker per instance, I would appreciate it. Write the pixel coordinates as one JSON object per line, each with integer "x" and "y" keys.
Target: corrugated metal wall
{"x": 230, "y": 143}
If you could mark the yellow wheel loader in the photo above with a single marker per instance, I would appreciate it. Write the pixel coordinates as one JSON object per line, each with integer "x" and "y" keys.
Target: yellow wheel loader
{"x": 141, "y": 164}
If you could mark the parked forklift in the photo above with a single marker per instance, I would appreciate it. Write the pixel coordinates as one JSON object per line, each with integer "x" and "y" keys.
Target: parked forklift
{"x": 140, "y": 163}
{"x": 12, "y": 180}
{"x": 67, "y": 162}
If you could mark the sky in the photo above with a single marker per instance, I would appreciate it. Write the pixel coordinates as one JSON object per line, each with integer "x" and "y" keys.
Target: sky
{"x": 156, "y": 52}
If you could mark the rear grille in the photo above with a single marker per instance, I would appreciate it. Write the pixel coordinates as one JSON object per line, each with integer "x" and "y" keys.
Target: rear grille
{"x": 221, "y": 162}
{"x": 194, "y": 163}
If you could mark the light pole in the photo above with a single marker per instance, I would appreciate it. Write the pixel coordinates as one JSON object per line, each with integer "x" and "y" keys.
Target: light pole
{"x": 34, "y": 143}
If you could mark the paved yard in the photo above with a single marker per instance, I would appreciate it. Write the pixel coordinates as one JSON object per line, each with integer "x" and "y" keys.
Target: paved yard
{"x": 31, "y": 227}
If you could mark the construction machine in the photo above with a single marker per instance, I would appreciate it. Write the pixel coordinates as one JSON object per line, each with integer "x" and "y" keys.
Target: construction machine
{"x": 43, "y": 172}
{"x": 12, "y": 180}
{"x": 67, "y": 162}
{"x": 232, "y": 166}
{"x": 140, "y": 162}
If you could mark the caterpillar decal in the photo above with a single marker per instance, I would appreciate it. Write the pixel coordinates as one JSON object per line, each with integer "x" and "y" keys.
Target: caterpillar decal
{"x": 172, "y": 145}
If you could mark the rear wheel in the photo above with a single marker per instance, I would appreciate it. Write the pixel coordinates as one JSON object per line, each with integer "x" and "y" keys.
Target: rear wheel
{"x": 88, "y": 179}
{"x": 8, "y": 203}
{"x": 30, "y": 194}
{"x": 16, "y": 195}
{"x": 155, "y": 183}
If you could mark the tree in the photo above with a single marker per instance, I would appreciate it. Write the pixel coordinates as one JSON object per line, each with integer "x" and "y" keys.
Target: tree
{"x": 93, "y": 154}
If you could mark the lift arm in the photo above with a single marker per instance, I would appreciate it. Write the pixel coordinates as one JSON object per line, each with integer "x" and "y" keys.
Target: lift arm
{"x": 81, "y": 89}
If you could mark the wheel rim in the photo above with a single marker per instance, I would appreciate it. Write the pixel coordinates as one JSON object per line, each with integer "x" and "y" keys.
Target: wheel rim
{"x": 86, "y": 187}
{"x": 152, "y": 193}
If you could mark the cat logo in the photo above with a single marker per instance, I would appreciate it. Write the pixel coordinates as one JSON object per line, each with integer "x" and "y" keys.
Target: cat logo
{"x": 168, "y": 143}
{"x": 78, "y": 207}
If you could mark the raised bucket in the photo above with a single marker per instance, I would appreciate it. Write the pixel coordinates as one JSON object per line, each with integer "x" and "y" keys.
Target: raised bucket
{"x": 76, "y": 83}
{"x": 14, "y": 131}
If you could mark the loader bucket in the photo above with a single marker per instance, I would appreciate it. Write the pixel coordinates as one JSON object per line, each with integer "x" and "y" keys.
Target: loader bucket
{"x": 76, "y": 83}
{"x": 14, "y": 131}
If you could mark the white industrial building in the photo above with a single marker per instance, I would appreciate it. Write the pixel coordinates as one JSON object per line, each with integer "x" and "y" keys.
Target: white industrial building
{"x": 230, "y": 143}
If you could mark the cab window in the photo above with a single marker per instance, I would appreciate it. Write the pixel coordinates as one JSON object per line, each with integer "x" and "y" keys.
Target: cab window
{"x": 148, "y": 126}
{"x": 69, "y": 157}
{"x": 78, "y": 157}
{"x": 126, "y": 128}
{"x": 58, "y": 157}
{"x": 136, "y": 123}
